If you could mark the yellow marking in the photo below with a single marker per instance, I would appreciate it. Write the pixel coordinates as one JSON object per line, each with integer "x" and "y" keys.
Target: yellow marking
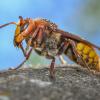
{"x": 17, "y": 31}
{"x": 80, "y": 46}
{"x": 19, "y": 38}
{"x": 92, "y": 54}
{"x": 90, "y": 61}
{"x": 96, "y": 58}
{"x": 89, "y": 55}
{"x": 84, "y": 57}
{"x": 86, "y": 50}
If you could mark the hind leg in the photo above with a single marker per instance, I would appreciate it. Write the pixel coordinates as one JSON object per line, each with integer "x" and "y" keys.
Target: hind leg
{"x": 78, "y": 56}
{"x": 62, "y": 60}
{"x": 62, "y": 48}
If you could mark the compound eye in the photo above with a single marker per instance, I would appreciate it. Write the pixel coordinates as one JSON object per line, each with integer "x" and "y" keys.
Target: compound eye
{"x": 24, "y": 27}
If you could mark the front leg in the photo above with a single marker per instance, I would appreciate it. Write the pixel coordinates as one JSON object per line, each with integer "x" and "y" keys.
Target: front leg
{"x": 52, "y": 71}
{"x": 27, "y": 55}
{"x": 63, "y": 47}
{"x": 24, "y": 50}
{"x": 38, "y": 33}
{"x": 37, "y": 36}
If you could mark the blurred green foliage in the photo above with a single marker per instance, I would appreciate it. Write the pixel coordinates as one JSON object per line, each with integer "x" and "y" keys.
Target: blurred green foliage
{"x": 92, "y": 8}
{"x": 88, "y": 17}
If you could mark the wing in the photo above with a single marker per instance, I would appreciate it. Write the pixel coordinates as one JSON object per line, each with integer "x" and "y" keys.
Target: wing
{"x": 76, "y": 38}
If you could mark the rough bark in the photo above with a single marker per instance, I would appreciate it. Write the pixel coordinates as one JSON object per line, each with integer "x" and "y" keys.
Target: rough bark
{"x": 72, "y": 82}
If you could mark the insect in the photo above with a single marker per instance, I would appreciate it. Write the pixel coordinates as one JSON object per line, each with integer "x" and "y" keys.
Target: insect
{"x": 48, "y": 40}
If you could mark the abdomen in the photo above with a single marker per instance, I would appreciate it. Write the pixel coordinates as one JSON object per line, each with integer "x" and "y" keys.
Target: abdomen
{"x": 87, "y": 53}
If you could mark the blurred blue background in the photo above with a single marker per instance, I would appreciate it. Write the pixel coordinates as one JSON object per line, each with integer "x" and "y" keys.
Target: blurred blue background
{"x": 80, "y": 17}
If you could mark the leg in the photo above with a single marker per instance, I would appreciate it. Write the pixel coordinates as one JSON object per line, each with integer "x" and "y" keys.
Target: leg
{"x": 62, "y": 60}
{"x": 23, "y": 50}
{"x": 25, "y": 54}
{"x": 33, "y": 36}
{"x": 52, "y": 71}
{"x": 27, "y": 57}
{"x": 78, "y": 56}
{"x": 38, "y": 35}
{"x": 63, "y": 47}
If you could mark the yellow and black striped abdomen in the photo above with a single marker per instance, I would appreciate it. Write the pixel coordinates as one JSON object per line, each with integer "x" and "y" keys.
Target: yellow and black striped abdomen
{"x": 89, "y": 55}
